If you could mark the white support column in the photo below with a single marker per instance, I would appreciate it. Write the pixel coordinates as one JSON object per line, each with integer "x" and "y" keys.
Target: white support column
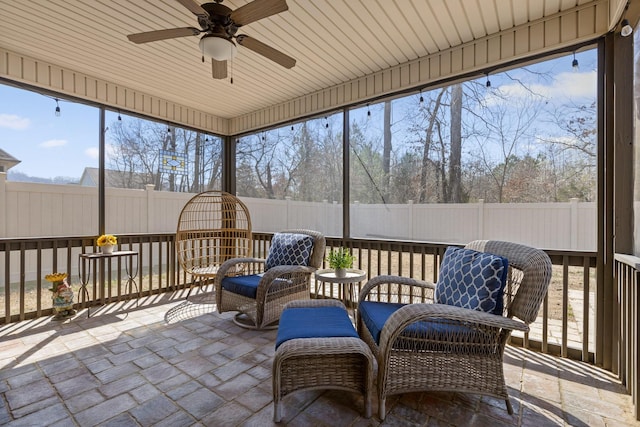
{"x": 573, "y": 233}
{"x": 410, "y": 220}
{"x": 288, "y": 225}
{"x": 480, "y": 219}
{"x": 149, "y": 188}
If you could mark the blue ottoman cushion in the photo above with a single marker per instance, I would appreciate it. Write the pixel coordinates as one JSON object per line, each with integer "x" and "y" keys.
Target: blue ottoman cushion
{"x": 314, "y": 322}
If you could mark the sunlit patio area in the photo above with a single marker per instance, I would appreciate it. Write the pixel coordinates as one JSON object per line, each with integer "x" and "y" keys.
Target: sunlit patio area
{"x": 171, "y": 362}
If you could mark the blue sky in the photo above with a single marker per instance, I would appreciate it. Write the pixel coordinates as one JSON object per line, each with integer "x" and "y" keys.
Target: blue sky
{"x": 50, "y": 146}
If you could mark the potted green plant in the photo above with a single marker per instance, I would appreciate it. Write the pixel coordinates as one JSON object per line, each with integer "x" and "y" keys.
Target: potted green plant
{"x": 340, "y": 259}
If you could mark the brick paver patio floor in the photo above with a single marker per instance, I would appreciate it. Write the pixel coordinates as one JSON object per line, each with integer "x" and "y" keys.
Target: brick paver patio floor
{"x": 174, "y": 363}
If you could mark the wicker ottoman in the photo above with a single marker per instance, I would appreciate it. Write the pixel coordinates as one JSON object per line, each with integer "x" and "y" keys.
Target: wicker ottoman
{"x": 318, "y": 348}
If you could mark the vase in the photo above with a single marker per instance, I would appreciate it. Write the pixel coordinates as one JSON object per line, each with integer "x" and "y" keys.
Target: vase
{"x": 341, "y": 272}
{"x": 106, "y": 249}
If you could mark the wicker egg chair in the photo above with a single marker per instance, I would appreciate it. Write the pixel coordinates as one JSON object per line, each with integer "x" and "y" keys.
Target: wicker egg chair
{"x": 214, "y": 226}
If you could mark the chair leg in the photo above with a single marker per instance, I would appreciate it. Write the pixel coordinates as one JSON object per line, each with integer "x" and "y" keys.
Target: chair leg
{"x": 509, "y": 407}
{"x": 277, "y": 411}
{"x": 367, "y": 404}
{"x": 381, "y": 407}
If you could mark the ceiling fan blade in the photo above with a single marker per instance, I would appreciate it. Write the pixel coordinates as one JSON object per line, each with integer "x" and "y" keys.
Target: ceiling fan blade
{"x": 219, "y": 69}
{"x": 171, "y": 33}
{"x": 194, "y": 7}
{"x": 257, "y": 9}
{"x": 266, "y": 51}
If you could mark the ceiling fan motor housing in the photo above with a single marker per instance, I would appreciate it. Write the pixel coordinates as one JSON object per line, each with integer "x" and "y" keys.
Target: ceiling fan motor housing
{"x": 219, "y": 19}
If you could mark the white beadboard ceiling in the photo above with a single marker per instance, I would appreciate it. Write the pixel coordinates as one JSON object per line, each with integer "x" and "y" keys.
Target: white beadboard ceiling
{"x": 333, "y": 42}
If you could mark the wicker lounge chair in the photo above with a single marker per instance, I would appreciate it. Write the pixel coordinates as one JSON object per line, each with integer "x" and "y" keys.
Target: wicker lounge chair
{"x": 213, "y": 227}
{"x": 437, "y": 347}
{"x": 259, "y": 288}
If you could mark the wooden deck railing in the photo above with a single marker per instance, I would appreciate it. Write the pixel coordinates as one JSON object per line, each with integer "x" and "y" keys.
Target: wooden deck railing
{"x": 627, "y": 270}
{"x": 565, "y": 326}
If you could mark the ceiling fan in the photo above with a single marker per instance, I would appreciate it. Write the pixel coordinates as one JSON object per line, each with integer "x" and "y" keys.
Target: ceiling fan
{"x": 220, "y": 24}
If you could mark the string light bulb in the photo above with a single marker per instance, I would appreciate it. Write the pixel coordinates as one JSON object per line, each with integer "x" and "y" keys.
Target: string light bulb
{"x": 488, "y": 84}
{"x": 626, "y": 28}
{"x": 574, "y": 63}
{"x": 119, "y": 116}
{"x": 368, "y": 111}
{"x": 326, "y": 124}
{"x": 57, "y": 108}
{"x": 421, "y": 98}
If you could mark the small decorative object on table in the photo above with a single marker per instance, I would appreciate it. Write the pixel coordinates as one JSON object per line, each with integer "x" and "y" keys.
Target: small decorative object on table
{"x": 61, "y": 295}
{"x": 340, "y": 259}
{"x": 106, "y": 242}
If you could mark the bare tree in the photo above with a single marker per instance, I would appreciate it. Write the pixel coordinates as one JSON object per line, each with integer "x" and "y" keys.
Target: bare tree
{"x": 454, "y": 192}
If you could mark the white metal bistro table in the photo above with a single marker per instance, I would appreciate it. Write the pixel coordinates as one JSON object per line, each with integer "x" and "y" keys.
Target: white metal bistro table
{"x": 346, "y": 293}
{"x": 89, "y": 261}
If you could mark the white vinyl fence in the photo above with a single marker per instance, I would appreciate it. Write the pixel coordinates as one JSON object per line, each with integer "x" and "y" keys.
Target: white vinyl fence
{"x": 32, "y": 210}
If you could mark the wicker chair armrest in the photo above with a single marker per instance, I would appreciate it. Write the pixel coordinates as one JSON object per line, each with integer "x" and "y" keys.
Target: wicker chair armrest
{"x": 234, "y": 265}
{"x": 284, "y": 270}
{"x": 413, "y": 313}
{"x": 274, "y": 278}
{"x": 377, "y": 281}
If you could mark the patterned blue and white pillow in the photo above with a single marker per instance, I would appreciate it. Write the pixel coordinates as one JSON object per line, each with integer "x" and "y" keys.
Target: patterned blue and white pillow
{"x": 472, "y": 279}
{"x": 289, "y": 249}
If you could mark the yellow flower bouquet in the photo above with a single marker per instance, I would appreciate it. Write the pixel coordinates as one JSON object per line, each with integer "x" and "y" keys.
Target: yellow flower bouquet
{"x": 55, "y": 277}
{"x": 106, "y": 240}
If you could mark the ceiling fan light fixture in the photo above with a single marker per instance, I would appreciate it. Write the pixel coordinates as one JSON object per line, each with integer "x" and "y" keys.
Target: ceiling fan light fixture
{"x": 217, "y": 47}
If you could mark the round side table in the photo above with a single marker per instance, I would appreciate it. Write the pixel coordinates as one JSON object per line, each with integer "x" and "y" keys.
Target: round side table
{"x": 352, "y": 276}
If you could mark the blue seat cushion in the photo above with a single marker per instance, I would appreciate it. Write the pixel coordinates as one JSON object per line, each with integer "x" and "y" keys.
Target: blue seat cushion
{"x": 375, "y": 315}
{"x": 472, "y": 279}
{"x": 314, "y": 322}
{"x": 289, "y": 249}
{"x": 242, "y": 285}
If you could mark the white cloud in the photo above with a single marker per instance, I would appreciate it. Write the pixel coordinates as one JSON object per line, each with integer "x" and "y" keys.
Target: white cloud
{"x": 567, "y": 85}
{"x": 93, "y": 152}
{"x": 52, "y": 143}
{"x": 13, "y": 121}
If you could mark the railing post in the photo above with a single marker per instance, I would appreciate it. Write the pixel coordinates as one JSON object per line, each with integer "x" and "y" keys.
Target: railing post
{"x": 149, "y": 188}
{"x": 3, "y": 203}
